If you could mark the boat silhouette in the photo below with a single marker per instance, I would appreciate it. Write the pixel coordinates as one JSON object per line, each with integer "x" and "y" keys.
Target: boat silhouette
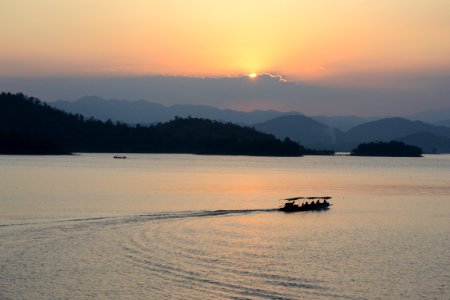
{"x": 291, "y": 204}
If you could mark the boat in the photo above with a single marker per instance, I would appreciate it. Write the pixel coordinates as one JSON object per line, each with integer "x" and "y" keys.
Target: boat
{"x": 292, "y": 206}
{"x": 120, "y": 156}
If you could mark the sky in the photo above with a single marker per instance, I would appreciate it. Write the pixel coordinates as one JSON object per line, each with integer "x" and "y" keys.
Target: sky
{"x": 391, "y": 54}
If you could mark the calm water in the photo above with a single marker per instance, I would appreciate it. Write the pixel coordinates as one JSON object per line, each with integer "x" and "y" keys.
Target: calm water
{"x": 183, "y": 226}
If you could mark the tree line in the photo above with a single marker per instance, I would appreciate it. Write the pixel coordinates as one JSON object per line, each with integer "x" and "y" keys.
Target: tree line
{"x": 30, "y": 126}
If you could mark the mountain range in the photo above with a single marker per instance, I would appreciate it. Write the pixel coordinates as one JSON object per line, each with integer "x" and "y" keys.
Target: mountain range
{"x": 340, "y": 133}
{"x": 145, "y": 112}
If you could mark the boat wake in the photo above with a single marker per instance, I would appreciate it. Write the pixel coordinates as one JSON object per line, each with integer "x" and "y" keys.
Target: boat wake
{"x": 204, "y": 213}
{"x": 142, "y": 217}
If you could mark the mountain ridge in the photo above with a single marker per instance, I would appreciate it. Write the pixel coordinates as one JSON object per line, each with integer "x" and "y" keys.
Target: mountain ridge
{"x": 147, "y": 112}
{"x": 302, "y": 129}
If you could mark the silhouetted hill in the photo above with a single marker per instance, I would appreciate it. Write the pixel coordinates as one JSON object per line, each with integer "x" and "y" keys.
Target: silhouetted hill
{"x": 392, "y": 148}
{"x": 429, "y": 143}
{"x": 145, "y": 112}
{"x": 302, "y": 129}
{"x": 28, "y": 117}
{"x": 386, "y": 130}
{"x": 342, "y": 123}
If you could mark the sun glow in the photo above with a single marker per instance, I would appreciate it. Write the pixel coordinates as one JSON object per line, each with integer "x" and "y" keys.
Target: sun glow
{"x": 309, "y": 40}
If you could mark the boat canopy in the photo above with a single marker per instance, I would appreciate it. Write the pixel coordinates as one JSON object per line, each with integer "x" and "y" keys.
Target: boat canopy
{"x": 294, "y": 198}
{"x": 308, "y": 198}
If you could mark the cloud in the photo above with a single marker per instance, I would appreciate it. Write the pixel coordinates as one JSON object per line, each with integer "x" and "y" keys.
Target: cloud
{"x": 266, "y": 91}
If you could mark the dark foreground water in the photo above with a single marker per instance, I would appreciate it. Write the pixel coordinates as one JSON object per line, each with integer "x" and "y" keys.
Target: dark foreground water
{"x": 182, "y": 226}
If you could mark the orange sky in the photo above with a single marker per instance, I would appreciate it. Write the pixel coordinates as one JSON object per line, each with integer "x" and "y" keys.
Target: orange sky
{"x": 310, "y": 40}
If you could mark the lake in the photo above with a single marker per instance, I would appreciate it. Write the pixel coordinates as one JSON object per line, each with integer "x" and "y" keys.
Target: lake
{"x": 203, "y": 227}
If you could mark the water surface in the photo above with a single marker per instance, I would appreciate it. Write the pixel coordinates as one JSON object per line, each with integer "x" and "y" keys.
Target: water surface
{"x": 185, "y": 226}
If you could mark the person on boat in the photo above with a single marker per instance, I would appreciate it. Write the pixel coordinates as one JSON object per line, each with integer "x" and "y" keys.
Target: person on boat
{"x": 325, "y": 201}
{"x": 317, "y": 202}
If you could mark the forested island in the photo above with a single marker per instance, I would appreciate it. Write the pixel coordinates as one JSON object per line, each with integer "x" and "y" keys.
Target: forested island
{"x": 392, "y": 148}
{"x": 29, "y": 126}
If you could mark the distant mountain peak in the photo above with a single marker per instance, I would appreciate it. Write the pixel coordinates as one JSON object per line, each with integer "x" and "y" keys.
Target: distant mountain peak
{"x": 302, "y": 129}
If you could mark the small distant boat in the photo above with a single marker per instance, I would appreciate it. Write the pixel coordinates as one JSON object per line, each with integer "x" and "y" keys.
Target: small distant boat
{"x": 292, "y": 206}
{"x": 120, "y": 156}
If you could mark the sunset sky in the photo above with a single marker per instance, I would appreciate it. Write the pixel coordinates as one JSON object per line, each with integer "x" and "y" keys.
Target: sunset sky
{"x": 383, "y": 45}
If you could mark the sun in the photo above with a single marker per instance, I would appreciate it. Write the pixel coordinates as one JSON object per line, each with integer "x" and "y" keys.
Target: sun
{"x": 252, "y": 75}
